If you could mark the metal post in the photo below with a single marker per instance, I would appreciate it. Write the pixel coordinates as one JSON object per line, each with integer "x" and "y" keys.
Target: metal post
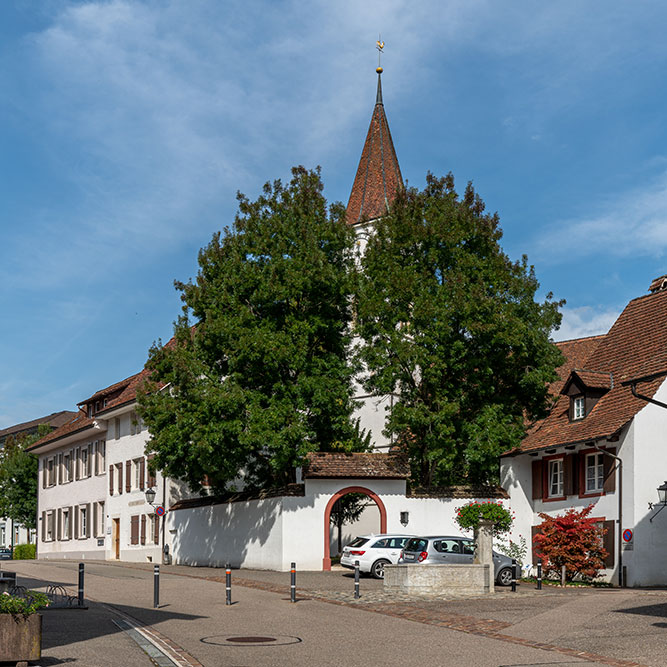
{"x": 228, "y": 584}
{"x": 356, "y": 579}
{"x": 562, "y": 576}
{"x": 539, "y": 576}
{"x": 513, "y": 575}
{"x": 292, "y": 586}
{"x": 80, "y": 584}
{"x": 156, "y": 586}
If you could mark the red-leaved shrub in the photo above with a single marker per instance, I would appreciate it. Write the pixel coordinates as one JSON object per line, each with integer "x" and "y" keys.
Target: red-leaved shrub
{"x": 572, "y": 539}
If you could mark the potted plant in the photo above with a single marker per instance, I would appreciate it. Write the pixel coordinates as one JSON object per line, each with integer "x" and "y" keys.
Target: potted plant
{"x": 21, "y": 626}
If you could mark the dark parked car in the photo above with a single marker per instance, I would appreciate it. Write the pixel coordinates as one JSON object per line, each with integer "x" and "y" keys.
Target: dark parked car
{"x": 6, "y": 553}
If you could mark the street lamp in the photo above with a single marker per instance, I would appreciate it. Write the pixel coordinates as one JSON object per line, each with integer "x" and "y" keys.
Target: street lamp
{"x": 662, "y": 500}
{"x": 150, "y": 495}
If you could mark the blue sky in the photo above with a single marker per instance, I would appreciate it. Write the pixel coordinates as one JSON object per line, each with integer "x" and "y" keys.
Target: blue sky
{"x": 126, "y": 129}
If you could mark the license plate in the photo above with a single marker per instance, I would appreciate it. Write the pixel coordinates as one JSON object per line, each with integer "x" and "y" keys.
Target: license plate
{"x": 409, "y": 557}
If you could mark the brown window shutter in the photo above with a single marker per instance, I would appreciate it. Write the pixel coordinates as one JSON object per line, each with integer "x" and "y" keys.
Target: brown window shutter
{"x": 44, "y": 473}
{"x": 134, "y": 529}
{"x": 88, "y": 519}
{"x": 96, "y": 530}
{"x": 89, "y": 469}
{"x": 77, "y": 456}
{"x": 156, "y": 530}
{"x": 111, "y": 480}
{"x": 59, "y": 534}
{"x": 151, "y": 473}
{"x": 142, "y": 474}
{"x": 60, "y": 475}
{"x": 43, "y": 526}
{"x": 76, "y": 522}
{"x": 143, "y": 529}
{"x": 609, "y": 485}
{"x": 608, "y": 542}
{"x": 535, "y": 530}
{"x": 538, "y": 482}
{"x": 119, "y": 472}
{"x": 128, "y": 476}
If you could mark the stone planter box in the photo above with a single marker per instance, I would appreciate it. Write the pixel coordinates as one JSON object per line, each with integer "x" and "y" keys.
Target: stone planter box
{"x": 20, "y": 638}
{"x": 437, "y": 580}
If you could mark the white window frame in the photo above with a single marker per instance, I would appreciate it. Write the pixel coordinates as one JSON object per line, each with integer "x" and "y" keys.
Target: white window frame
{"x": 51, "y": 476}
{"x": 594, "y": 464}
{"x": 100, "y": 457}
{"x": 50, "y": 525}
{"x": 556, "y": 479}
{"x": 66, "y": 524}
{"x": 116, "y": 422}
{"x": 83, "y": 463}
{"x": 83, "y": 521}
{"x": 578, "y": 407}
{"x": 99, "y": 509}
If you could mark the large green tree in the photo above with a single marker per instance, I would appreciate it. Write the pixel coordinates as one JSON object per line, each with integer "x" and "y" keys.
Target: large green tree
{"x": 452, "y": 326}
{"x": 18, "y": 478}
{"x": 258, "y": 373}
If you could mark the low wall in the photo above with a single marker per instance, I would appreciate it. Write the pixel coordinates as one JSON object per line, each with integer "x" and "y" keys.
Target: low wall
{"x": 438, "y": 579}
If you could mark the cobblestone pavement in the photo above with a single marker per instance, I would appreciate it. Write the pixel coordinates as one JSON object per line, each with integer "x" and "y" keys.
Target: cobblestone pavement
{"x": 620, "y": 628}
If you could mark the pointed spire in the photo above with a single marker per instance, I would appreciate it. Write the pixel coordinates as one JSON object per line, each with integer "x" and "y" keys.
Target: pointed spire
{"x": 378, "y": 175}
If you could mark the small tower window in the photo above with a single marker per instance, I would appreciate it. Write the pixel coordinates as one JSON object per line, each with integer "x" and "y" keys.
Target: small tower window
{"x": 578, "y": 408}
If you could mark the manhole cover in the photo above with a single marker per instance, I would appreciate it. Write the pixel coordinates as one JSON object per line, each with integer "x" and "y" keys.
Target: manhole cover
{"x": 250, "y": 640}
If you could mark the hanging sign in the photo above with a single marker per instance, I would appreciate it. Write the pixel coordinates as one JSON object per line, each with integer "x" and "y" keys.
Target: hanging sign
{"x": 627, "y": 535}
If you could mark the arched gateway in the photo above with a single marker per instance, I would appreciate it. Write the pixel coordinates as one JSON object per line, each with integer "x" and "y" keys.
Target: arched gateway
{"x": 376, "y": 475}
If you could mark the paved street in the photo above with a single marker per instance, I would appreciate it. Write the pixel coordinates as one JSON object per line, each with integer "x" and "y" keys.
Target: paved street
{"x": 193, "y": 626}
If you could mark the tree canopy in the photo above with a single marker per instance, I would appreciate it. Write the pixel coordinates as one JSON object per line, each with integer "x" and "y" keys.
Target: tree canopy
{"x": 18, "y": 478}
{"x": 258, "y": 372}
{"x": 452, "y": 327}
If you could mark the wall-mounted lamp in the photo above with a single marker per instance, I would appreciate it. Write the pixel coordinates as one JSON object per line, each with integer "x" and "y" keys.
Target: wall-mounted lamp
{"x": 150, "y": 495}
{"x": 405, "y": 517}
{"x": 662, "y": 500}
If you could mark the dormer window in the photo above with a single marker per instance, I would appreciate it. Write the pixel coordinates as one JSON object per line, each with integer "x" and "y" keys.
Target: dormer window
{"x": 578, "y": 407}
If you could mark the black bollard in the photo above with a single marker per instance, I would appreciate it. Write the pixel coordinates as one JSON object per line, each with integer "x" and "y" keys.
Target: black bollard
{"x": 80, "y": 584}
{"x": 156, "y": 586}
{"x": 292, "y": 586}
{"x": 513, "y": 575}
{"x": 228, "y": 584}
{"x": 356, "y": 579}
{"x": 539, "y": 576}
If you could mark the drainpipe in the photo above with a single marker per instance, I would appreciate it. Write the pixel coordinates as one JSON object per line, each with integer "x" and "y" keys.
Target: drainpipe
{"x": 619, "y": 466}
{"x": 164, "y": 517}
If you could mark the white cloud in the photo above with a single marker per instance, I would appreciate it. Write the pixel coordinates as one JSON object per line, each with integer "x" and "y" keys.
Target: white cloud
{"x": 585, "y": 321}
{"x": 633, "y": 223}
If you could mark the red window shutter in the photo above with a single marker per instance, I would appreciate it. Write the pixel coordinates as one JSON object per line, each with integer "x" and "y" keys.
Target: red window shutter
{"x": 128, "y": 476}
{"x": 535, "y": 530}
{"x": 134, "y": 529}
{"x": 111, "y": 480}
{"x": 143, "y": 529}
{"x": 608, "y": 542}
{"x": 142, "y": 473}
{"x": 609, "y": 485}
{"x": 156, "y": 530}
{"x": 538, "y": 482}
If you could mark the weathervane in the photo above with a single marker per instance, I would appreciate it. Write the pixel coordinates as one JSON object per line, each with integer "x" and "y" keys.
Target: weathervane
{"x": 380, "y": 48}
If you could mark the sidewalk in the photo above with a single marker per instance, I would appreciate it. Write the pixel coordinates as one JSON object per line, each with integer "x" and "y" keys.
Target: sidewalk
{"x": 325, "y": 628}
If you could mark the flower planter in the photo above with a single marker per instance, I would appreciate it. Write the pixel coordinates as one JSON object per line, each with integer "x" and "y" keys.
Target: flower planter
{"x": 20, "y": 637}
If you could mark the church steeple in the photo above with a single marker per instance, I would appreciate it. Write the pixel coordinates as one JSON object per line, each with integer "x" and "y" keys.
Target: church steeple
{"x": 378, "y": 175}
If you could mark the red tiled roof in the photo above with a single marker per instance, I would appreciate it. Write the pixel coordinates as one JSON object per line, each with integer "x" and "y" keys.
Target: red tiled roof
{"x": 378, "y": 175}
{"x": 634, "y": 347}
{"x": 78, "y": 422}
{"x": 55, "y": 419}
{"x": 594, "y": 379}
{"x": 364, "y": 465}
{"x": 576, "y": 353}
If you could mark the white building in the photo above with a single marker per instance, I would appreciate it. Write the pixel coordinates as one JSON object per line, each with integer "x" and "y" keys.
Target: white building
{"x": 93, "y": 478}
{"x": 569, "y": 458}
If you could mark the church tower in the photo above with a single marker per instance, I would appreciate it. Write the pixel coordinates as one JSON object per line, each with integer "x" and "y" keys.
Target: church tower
{"x": 378, "y": 176}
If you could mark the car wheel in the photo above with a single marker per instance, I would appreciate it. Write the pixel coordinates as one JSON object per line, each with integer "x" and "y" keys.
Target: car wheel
{"x": 504, "y": 577}
{"x": 378, "y": 568}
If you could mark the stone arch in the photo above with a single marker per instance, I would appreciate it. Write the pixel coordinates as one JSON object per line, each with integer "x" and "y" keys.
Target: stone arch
{"x": 326, "y": 561}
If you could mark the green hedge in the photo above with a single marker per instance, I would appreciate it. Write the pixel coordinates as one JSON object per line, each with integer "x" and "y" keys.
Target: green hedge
{"x": 25, "y": 551}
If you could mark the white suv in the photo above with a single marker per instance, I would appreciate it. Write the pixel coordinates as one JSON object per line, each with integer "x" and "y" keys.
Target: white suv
{"x": 374, "y": 552}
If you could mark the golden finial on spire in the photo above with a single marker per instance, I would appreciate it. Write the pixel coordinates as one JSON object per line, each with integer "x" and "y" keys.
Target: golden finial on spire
{"x": 379, "y": 47}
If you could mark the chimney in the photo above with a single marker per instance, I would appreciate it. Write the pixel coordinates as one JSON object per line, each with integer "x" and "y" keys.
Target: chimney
{"x": 658, "y": 284}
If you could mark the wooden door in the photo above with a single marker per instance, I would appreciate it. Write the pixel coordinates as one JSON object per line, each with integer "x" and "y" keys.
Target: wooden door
{"x": 116, "y": 539}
